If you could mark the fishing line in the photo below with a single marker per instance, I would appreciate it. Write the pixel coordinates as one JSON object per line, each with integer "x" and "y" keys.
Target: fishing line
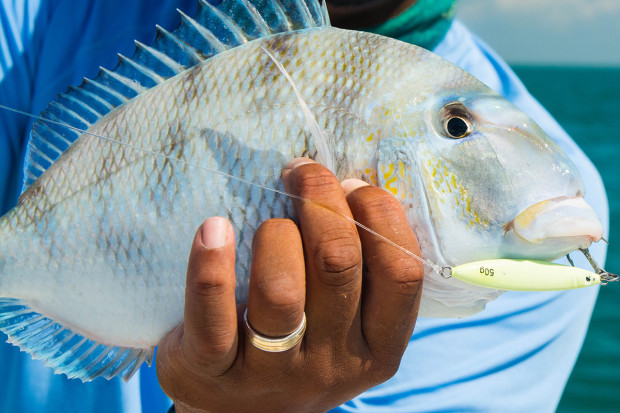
{"x": 529, "y": 275}
{"x": 424, "y": 261}
{"x": 324, "y": 155}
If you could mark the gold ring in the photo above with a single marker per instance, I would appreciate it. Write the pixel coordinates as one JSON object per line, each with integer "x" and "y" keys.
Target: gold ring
{"x": 274, "y": 344}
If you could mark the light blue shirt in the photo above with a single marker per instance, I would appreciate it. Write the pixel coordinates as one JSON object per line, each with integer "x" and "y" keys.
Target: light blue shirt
{"x": 515, "y": 356}
{"x": 45, "y": 46}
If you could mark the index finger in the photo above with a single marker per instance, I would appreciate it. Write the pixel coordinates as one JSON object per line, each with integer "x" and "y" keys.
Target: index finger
{"x": 393, "y": 279}
{"x": 332, "y": 249}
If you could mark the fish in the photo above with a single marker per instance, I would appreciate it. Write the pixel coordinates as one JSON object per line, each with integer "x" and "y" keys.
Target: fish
{"x": 202, "y": 122}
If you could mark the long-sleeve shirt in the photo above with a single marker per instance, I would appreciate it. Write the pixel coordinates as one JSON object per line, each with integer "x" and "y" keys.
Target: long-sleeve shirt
{"x": 515, "y": 356}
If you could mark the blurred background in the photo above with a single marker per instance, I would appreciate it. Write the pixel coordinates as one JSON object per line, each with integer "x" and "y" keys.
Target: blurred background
{"x": 567, "y": 52}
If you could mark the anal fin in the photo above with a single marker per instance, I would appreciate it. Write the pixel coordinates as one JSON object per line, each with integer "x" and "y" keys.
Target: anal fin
{"x": 65, "y": 351}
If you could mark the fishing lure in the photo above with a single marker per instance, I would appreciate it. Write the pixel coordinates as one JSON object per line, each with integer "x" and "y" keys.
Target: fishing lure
{"x": 526, "y": 275}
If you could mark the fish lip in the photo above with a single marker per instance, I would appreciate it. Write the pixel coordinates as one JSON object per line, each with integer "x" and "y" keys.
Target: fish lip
{"x": 530, "y": 224}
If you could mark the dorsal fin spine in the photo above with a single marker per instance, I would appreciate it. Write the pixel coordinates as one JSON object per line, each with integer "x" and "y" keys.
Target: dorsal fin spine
{"x": 114, "y": 366}
{"x": 324, "y": 14}
{"x": 162, "y": 57}
{"x": 145, "y": 71}
{"x": 64, "y": 110}
{"x": 305, "y": 10}
{"x": 43, "y": 340}
{"x": 193, "y": 55}
{"x": 135, "y": 86}
{"x": 108, "y": 91}
{"x": 240, "y": 37}
{"x": 81, "y": 107}
{"x": 45, "y": 128}
{"x": 34, "y": 163}
{"x": 256, "y": 18}
{"x": 207, "y": 35}
{"x": 48, "y": 151}
{"x": 95, "y": 102}
{"x": 59, "y": 113}
{"x": 44, "y": 156}
{"x": 140, "y": 357}
{"x": 282, "y": 14}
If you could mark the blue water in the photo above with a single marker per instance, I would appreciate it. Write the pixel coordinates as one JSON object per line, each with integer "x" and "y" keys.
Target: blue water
{"x": 586, "y": 101}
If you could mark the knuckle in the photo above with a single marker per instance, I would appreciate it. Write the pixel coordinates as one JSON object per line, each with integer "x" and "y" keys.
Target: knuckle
{"x": 385, "y": 370}
{"x": 282, "y": 299}
{"x": 407, "y": 274}
{"x": 389, "y": 214}
{"x": 386, "y": 356}
{"x": 214, "y": 349}
{"x": 339, "y": 256}
{"x": 386, "y": 362}
{"x": 371, "y": 198}
{"x": 314, "y": 179}
{"x": 330, "y": 375}
{"x": 385, "y": 201}
{"x": 313, "y": 172}
{"x": 207, "y": 288}
{"x": 203, "y": 347}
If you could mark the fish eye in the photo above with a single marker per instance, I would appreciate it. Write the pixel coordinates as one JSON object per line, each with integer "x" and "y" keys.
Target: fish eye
{"x": 457, "y": 121}
{"x": 457, "y": 127}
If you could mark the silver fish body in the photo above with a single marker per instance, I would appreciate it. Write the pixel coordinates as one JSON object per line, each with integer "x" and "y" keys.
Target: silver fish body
{"x": 113, "y": 223}
{"x": 99, "y": 243}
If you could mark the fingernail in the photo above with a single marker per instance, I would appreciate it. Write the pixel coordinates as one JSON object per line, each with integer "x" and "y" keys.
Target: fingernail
{"x": 298, "y": 162}
{"x": 349, "y": 185}
{"x": 214, "y": 232}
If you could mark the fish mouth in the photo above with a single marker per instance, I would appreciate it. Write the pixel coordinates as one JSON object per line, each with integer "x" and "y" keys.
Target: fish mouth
{"x": 555, "y": 227}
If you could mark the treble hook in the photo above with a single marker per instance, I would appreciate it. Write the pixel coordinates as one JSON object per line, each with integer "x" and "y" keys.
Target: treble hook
{"x": 606, "y": 277}
{"x": 570, "y": 260}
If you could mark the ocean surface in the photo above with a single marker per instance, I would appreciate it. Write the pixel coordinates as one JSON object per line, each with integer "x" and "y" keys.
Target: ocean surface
{"x": 586, "y": 102}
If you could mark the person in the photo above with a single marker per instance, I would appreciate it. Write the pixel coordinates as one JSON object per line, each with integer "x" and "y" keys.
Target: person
{"x": 514, "y": 356}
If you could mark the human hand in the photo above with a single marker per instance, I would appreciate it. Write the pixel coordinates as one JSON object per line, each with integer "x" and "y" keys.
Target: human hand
{"x": 360, "y": 312}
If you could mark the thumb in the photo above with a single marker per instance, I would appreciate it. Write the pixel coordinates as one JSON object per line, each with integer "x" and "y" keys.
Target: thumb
{"x": 208, "y": 335}
{"x": 206, "y": 342}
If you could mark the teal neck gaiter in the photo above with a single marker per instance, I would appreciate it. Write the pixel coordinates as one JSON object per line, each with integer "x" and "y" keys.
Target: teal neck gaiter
{"x": 424, "y": 24}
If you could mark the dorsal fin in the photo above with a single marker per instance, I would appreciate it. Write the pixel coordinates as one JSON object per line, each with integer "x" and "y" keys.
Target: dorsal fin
{"x": 212, "y": 30}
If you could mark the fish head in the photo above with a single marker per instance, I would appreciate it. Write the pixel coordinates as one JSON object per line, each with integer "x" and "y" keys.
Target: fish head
{"x": 479, "y": 180}
{"x": 498, "y": 186}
